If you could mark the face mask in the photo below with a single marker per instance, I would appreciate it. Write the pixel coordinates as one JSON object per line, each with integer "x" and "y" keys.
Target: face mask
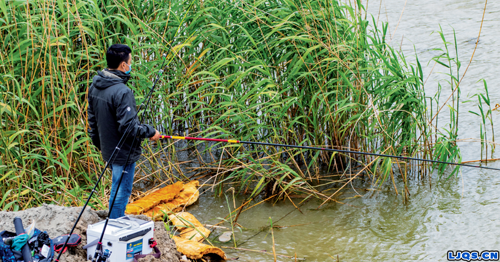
{"x": 129, "y": 69}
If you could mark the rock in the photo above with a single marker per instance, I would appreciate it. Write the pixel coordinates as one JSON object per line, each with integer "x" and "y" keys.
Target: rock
{"x": 102, "y": 213}
{"x": 225, "y": 237}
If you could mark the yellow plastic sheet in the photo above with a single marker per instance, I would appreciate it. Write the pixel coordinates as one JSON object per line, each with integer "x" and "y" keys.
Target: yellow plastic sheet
{"x": 160, "y": 196}
{"x": 190, "y": 228}
{"x": 196, "y": 250}
{"x": 186, "y": 197}
{"x": 183, "y": 220}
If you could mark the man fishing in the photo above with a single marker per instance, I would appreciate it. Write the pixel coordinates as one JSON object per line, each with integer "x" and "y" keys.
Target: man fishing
{"x": 112, "y": 111}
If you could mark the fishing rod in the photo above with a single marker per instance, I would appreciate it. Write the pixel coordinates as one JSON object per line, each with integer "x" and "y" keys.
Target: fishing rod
{"x": 125, "y": 135}
{"x": 111, "y": 159}
{"x": 99, "y": 255}
{"x": 323, "y": 149}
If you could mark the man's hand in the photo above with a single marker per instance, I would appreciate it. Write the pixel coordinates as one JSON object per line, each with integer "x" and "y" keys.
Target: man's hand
{"x": 155, "y": 137}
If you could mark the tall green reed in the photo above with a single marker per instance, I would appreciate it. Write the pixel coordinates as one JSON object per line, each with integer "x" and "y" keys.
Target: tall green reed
{"x": 446, "y": 144}
{"x": 485, "y": 112}
{"x": 288, "y": 71}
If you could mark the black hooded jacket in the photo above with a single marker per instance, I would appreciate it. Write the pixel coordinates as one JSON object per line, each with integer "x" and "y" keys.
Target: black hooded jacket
{"x": 111, "y": 111}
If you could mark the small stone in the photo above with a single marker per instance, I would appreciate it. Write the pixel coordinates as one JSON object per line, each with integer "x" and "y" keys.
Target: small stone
{"x": 225, "y": 237}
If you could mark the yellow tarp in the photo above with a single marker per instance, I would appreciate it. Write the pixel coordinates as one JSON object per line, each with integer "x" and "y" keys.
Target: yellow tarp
{"x": 196, "y": 250}
{"x": 190, "y": 228}
{"x": 186, "y": 197}
{"x": 160, "y": 196}
{"x": 171, "y": 199}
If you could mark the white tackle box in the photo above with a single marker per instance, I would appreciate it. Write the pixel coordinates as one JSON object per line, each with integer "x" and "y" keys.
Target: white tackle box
{"x": 124, "y": 237}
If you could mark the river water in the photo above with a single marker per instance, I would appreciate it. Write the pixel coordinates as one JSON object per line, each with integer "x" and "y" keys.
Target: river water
{"x": 460, "y": 214}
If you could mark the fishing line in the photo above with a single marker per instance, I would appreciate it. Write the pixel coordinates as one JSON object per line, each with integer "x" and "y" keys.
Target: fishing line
{"x": 325, "y": 149}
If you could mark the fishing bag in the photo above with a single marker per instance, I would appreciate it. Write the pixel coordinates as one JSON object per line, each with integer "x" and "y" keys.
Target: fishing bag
{"x": 36, "y": 243}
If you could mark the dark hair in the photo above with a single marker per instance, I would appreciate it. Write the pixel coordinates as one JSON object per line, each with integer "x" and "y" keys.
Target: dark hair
{"x": 116, "y": 54}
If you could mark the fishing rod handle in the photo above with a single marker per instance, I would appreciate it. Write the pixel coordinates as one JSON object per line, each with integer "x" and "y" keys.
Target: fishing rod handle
{"x": 200, "y": 139}
{"x": 18, "y": 224}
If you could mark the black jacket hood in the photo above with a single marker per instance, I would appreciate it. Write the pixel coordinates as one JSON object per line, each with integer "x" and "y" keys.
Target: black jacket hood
{"x": 107, "y": 78}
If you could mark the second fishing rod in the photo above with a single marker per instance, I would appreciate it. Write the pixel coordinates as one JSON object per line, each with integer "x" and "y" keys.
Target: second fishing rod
{"x": 115, "y": 152}
{"x": 99, "y": 256}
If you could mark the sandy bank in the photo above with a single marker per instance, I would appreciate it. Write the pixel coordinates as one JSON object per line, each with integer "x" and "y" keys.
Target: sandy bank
{"x": 58, "y": 221}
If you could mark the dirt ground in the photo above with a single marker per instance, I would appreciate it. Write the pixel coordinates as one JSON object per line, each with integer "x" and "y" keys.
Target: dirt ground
{"x": 58, "y": 221}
